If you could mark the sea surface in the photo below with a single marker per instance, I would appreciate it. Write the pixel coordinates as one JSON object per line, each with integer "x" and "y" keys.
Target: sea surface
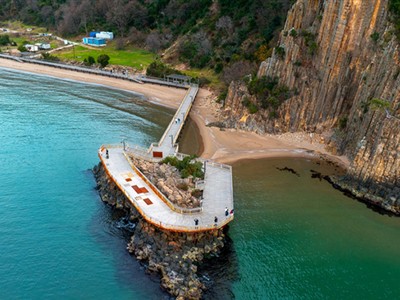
{"x": 293, "y": 237}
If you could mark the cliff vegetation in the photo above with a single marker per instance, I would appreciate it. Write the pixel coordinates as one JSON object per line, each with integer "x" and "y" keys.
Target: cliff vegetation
{"x": 340, "y": 60}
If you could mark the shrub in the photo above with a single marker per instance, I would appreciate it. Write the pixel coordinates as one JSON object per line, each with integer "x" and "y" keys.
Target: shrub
{"x": 203, "y": 81}
{"x": 375, "y": 37}
{"x": 103, "y": 60}
{"x": 250, "y": 105}
{"x": 48, "y": 56}
{"x": 293, "y": 32}
{"x": 378, "y": 104}
{"x": 252, "y": 108}
{"x": 22, "y": 48}
{"x": 185, "y": 166}
{"x": 222, "y": 96}
{"x": 309, "y": 39}
{"x": 89, "y": 61}
{"x": 343, "y": 123}
{"x": 297, "y": 63}
{"x": 394, "y": 7}
{"x": 4, "y": 40}
{"x": 158, "y": 69}
{"x": 280, "y": 51}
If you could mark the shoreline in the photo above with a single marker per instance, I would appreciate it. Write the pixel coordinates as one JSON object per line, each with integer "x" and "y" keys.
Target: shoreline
{"x": 224, "y": 146}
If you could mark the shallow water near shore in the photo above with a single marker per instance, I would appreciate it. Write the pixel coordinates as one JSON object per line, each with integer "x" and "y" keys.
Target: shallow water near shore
{"x": 292, "y": 237}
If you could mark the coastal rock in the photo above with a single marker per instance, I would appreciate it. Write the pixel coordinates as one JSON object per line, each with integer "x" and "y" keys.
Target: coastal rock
{"x": 335, "y": 68}
{"x": 173, "y": 255}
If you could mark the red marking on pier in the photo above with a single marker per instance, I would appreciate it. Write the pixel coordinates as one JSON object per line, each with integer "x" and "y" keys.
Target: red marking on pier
{"x": 147, "y": 201}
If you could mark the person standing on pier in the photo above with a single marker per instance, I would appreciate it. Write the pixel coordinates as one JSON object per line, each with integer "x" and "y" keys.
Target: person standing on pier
{"x": 226, "y": 211}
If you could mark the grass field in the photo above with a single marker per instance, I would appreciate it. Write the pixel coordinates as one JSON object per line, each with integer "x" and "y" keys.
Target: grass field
{"x": 207, "y": 73}
{"x": 133, "y": 57}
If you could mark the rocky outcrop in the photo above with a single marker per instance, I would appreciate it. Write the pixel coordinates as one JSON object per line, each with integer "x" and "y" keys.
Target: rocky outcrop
{"x": 175, "y": 256}
{"x": 167, "y": 178}
{"x": 337, "y": 56}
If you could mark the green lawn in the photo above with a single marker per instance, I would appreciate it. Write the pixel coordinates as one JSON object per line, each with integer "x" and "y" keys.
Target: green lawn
{"x": 133, "y": 57}
{"x": 207, "y": 73}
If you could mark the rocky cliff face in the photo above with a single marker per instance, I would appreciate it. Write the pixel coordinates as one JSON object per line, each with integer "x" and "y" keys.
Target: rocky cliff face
{"x": 338, "y": 56}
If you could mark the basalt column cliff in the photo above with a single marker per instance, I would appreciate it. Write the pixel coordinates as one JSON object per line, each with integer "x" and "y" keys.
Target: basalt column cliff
{"x": 340, "y": 60}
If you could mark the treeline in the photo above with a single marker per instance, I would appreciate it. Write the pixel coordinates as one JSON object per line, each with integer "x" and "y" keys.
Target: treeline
{"x": 216, "y": 34}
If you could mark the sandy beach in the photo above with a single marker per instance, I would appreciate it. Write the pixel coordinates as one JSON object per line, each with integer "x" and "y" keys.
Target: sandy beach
{"x": 225, "y": 146}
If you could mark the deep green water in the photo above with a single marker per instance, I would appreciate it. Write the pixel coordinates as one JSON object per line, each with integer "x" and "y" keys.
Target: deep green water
{"x": 292, "y": 238}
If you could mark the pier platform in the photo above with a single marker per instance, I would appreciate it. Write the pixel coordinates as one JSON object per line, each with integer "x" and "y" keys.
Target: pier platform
{"x": 150, "y": 202}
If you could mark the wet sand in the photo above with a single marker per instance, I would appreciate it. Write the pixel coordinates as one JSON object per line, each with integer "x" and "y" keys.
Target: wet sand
{"x": 225, "y": 146}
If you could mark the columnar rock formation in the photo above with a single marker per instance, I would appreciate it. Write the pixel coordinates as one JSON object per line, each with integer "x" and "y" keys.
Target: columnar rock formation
{"x": 174, "y": 255}
{"x": 338, "y": 56}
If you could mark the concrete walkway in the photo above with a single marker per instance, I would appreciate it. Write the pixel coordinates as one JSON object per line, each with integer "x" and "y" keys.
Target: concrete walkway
{"x": 167, "y": 145}
{"x": 217, "y": 201}
{"x": 155, "y": 208}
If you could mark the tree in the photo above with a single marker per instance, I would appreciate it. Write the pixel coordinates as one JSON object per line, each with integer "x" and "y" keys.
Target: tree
{"x": 103, "y": 60}
{"x": 4, "y": 40}
{"x": 22, "y": 48}
{"x": 89, "y": 61}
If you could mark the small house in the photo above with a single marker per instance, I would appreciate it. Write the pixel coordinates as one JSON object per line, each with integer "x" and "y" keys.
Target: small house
{"x": 96, "y": 42}
{"x": 178, "y": 79}
{"x": 43, "y": 46}
{"x": 105, "y": 35}
{"x": 31, "y": 48}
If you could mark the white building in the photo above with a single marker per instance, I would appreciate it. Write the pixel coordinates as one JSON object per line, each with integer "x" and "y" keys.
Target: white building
{"x": 31, "y": 48}
{"x": 105, "y": 35}
{"x": 43, "y": 46}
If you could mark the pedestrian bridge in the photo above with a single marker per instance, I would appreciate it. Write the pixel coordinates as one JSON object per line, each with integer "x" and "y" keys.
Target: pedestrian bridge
{"x": 217, "y": 202}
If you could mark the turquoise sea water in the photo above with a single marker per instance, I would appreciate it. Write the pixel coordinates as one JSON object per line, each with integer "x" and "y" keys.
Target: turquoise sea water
{"x": 293, "y": 237}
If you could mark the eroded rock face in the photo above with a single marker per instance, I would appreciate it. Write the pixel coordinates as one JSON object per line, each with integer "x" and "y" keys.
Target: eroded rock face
{"x": 356, "y": 60}
{"x": 173, "y": 255}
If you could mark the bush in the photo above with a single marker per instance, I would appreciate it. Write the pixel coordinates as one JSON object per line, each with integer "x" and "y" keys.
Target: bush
{"x": 89, "y": 61}
{"x": 343, "y": 123}
{"x": 309, "y": 39}
{"x": 185, "y": 166}
{"x": 222, "y": 96}
{"x": 268, "y": 92}
{"x": 394, "y": 7}
{"x": 48, "y": 56}
{"x": 378, "y": 104}
{"x": 293, "y": 32}
{"x": 158, "y": 69}
{"x": 4, "y": 40}
{"x": 375, "y": 37}
{"x": 280, "y": 51}
{"x": 203, "y": 81}
{"x": 21, "y": 48}
{"x": 103, "y": 60}
{"x": 250, "y": 105}
{"x": 252, "y": 108}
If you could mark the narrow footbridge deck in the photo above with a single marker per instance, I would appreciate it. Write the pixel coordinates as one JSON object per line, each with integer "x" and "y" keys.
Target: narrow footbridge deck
{"x": 155, "y": 207}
